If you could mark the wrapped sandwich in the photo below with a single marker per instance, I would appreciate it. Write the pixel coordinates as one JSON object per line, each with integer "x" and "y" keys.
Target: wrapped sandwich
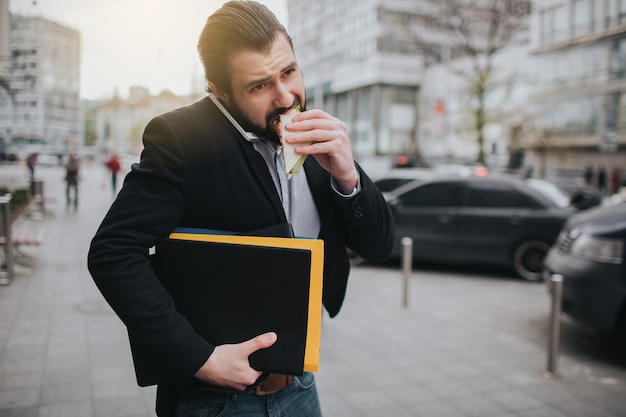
{"x": 293, "y": 161}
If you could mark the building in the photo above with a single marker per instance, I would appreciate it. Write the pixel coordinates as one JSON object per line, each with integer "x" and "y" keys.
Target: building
{"x": 580, "y": 54}
{"x": 383, "y": 68}
{"x": 359, "y": 62}
{"x": 39, "y": 96}
{"x": 450, "y": 99}
{"x": 117, "y": 124}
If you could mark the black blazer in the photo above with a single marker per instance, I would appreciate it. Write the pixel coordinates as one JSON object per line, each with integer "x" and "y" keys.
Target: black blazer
{"x": 197, "y": 171}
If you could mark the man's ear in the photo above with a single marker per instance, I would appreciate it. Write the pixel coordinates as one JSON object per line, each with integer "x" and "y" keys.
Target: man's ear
{"x": 222, "y": 96}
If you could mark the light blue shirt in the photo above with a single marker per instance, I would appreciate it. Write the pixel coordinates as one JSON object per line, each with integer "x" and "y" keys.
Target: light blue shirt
{"x": 295, "y": 193}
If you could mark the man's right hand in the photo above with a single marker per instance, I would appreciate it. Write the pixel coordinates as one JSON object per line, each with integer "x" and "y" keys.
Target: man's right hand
{"x": 228, "y": 365}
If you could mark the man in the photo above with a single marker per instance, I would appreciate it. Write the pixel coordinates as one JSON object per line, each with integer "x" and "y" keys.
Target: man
{"x": 198, "y": 170}
{"x": 113, "y": 166}
{"x": 72, "y": 168}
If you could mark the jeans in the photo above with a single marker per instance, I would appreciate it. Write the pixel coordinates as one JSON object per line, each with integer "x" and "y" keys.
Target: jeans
{"x": 71, "y": 186}
{"x": 299, "y": 399}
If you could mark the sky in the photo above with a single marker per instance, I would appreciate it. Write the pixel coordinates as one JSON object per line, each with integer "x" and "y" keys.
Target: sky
{"x": 124, "y": 43}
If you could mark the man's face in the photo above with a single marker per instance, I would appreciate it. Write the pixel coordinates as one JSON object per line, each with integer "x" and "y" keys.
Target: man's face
{"x": 264, "y": 86}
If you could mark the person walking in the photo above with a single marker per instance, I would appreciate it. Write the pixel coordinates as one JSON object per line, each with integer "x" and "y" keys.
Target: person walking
{"x": 614, "y": 181}
{"x": 113, "y": 166}
{"x": 217, "y": 164}
{"x": 72, "y": 168}
{"x": 588, "y": 175}
{"x": 601, "y": 180}
{"x": 31, "y": 162}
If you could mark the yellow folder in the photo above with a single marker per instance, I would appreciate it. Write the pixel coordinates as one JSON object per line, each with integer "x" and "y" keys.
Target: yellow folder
{"x": 269, "y": 283}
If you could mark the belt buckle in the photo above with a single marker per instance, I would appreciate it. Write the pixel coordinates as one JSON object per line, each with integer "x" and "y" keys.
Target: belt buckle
{"x": 259, "y": 391}
{"x": 276, "y": 386}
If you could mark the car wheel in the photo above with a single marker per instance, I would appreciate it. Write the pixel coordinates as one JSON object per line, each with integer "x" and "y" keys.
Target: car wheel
{"x": 528, "y": 259}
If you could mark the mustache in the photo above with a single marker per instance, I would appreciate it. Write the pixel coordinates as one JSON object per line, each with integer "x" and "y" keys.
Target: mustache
{"x": 271, "y": 117}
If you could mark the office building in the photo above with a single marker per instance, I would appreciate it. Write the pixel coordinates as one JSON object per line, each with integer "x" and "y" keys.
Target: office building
{"x": 580, "y": 53}
{"x": 39, "y": 98}
{"x": 361, "y": 63}
{"x": 380, "y": 66}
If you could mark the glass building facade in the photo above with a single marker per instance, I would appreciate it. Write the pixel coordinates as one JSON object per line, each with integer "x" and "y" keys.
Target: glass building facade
{"x": 581, "y": 80}
{"x": 42, "y": 103}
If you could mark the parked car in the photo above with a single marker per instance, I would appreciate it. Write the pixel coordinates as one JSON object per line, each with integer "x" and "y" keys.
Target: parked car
{"x": 8, "y": 154}
{"x": 590, "y": 254}
{"x": 492, "y": 220}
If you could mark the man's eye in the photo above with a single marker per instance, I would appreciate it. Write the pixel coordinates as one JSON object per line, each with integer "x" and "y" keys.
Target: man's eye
{"x": 257, "y": 87}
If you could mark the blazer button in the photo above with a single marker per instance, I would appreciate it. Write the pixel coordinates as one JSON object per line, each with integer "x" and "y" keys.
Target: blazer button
{"x": 358, "y": 214}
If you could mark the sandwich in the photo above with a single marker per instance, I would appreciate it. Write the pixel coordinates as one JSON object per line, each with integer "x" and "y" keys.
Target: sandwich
{"x": 293, "y": 161}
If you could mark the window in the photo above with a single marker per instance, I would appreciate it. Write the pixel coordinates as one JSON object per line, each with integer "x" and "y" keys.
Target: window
{"x": 561, "y": 23}
{"x": 607, "y": 13}
{"x": 546, "y": 25}
{"x": 442, "y": 194}
{"x": 492, "y": 195}
{"x": 621, "y": 16}
{"x": 580, "y": 18}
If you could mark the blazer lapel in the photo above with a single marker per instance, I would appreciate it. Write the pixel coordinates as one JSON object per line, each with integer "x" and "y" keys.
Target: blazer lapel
{"x": 257, "y": 164}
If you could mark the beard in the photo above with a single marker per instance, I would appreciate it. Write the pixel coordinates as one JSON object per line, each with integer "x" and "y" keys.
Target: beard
{"x": 268, "y": 131}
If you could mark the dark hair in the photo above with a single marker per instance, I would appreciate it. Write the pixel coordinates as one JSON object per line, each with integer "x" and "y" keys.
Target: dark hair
{"x": 236, "y": 26}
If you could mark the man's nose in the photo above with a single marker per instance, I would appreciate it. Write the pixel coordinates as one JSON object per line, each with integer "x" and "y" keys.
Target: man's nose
{"x": 282, "y": 96}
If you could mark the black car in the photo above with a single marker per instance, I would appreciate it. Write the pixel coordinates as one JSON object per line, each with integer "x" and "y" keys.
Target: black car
{"x": 492, "y": 220}
{"x": 590, "y": 255}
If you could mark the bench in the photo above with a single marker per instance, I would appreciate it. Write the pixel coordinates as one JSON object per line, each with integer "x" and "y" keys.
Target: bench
{"x": 25, "y": 235}
{"x": 22, "y": 235}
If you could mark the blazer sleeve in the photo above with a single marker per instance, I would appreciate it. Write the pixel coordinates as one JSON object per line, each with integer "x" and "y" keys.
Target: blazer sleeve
{"x": 369, "y": 221}
{"x": 148, "y": 207}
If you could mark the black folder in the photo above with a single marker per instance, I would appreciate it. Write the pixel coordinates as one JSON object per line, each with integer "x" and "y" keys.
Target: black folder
{"x": 234, "y": 287}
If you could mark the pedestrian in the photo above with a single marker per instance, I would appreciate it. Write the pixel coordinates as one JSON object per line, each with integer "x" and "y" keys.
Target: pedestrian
{"x": 31, "y": 161}
{"x": 614, "y": 180}
{"x": 588, "y": 175}
{"x": 200, "y": 169}
{"x": 72, "y": 169}
{"x": 601, "y": 180}
{"x": 113, "y": 166}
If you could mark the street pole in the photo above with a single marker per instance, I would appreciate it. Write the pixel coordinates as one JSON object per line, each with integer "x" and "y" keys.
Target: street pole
{"x": 407, "y": 261}
{"x": 556, "y": 288}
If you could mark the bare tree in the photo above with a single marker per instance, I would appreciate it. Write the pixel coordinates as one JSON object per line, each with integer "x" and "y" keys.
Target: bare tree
{"x": 477, "y": 30}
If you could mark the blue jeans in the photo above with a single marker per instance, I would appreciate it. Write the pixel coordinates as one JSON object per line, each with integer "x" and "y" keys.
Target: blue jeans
{"x": 71, "y": 185}
{"x": 299, "y": 399}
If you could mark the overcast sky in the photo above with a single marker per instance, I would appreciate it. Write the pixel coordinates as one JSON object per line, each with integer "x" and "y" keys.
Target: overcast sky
{"x": 151, "y": 43}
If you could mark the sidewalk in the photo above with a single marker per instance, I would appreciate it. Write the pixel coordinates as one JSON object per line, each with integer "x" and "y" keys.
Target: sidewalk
{"x": 472, "y": 345}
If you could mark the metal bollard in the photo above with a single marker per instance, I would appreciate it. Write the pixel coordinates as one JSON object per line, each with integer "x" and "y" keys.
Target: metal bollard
{"x": 36, "y": 195}
{"x": 6, "y": 221}
{"x": 556, "y": 289}
{"x": 407, "y": 263}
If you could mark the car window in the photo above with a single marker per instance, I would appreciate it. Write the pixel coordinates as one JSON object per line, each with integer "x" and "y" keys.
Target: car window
{"x": 551, "y": 191}
{"x": 492, "y": 195}
{"x": 390, "y": 184}
{"x": 440, "y": 194}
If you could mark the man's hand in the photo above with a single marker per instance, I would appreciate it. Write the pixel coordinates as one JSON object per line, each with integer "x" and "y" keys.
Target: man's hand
{"x": 325, "y": 137}
{"x": 228, "y": 365}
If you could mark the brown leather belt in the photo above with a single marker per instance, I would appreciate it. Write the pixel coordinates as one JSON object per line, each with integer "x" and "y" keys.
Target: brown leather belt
{"x": 273, "y": 383}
